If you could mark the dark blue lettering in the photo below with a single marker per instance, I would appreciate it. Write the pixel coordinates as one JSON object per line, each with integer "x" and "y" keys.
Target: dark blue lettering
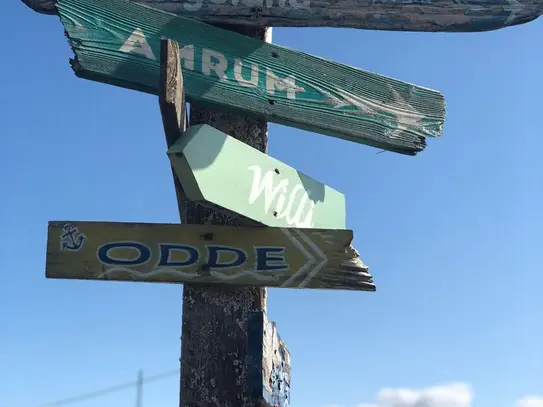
{"x": 213, "y": 257}
{"x": 264, "y": 262}
{"x": 165, "y": 250}
{"x": 144, "y": 254}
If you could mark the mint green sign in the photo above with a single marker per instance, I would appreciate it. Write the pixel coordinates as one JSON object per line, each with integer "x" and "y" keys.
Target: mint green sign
{"x": 118, "y": 42}
{"x": 215, "y": 168}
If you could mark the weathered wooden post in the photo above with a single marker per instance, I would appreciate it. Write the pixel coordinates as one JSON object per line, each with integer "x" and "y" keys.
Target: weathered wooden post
{"x": 215, "y": 335}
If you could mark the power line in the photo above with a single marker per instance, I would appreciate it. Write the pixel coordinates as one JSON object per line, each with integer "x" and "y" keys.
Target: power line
{"x": 113, "y": 389}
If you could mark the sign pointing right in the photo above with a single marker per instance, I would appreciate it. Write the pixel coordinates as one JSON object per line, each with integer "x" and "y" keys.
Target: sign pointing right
{"x": 206, "y": 254}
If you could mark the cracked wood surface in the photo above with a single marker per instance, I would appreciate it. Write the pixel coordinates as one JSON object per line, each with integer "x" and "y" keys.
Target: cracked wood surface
{"x": 117, "y": 42}
{"x": 391, "y": 15}
{"x": 214, "y": 341}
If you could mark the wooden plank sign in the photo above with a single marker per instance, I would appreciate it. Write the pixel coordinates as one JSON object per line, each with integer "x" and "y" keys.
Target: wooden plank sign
{"x": 207, "y": 254}
{"x": 210, "y": 165}
{"x": 118, "y": 42}
{"x": 268, "y": 363}
{"x": 392, "y": 15}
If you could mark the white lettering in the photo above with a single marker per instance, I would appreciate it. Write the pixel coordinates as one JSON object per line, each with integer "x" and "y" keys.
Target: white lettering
{"x": 287, "y": 84}
{"x": 137, "y": 44}
{"x": 208, "y": 66}
{"x": 215, "y": 63}
{"x": 186, "y": 54}
{"x": 263, "y": 184}
{"x": 251, "y": 83}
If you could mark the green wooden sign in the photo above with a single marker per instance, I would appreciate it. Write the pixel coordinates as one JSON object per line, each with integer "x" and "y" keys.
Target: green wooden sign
{"x": 206, "y": 254}
{"x": 217, "y": 169}
{"x": 118, "y": 42}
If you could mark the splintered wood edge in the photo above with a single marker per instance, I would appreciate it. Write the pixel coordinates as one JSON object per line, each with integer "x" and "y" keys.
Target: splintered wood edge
{"x": 354, "y": 260}
{"x": 355, "y": 266}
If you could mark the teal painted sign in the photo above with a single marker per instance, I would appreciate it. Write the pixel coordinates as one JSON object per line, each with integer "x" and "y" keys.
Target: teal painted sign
{"x": 210, "y": 165}
{"x": 118, "y": 42}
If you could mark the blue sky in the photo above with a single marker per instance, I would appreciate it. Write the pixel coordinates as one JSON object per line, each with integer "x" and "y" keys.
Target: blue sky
{"x": 452, "y": 236}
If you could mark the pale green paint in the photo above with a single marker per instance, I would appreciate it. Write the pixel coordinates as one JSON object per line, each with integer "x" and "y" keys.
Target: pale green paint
{"x": 218, "y": 169}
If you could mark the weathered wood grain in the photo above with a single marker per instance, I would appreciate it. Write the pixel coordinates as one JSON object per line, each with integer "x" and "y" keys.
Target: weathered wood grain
{"x": 268, "y": 363}
{"x": 214, "y": 168}
{"x": 392, "y": 15}
{"x": 116, "y": 42}
{"x": 171, "y": 95}
{"x": 215, "y": 351}
{"x": 214, "y": 320}
{"x": 171, "y": 100}
{"x": 206, "y": 254}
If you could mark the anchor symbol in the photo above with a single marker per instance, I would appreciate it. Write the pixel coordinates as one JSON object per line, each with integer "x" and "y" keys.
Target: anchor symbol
{"x": 71, "y": 239}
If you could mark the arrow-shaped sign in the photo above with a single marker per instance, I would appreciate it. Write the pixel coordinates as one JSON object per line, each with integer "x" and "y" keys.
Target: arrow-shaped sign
{"x": 206, "y": 254}
{"x": 120, "y": 42}
{"x": 393, "y": 15}
{"x": 210, "y": 164}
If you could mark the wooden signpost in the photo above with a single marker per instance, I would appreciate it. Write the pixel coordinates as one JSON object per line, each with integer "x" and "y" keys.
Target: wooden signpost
{"x": 211, "y": 165}
{"x": 206, "y": 254}
{"x": 117, "y": 42}
{"x": 231, "y": 354}
{"x": 393, "y": 15}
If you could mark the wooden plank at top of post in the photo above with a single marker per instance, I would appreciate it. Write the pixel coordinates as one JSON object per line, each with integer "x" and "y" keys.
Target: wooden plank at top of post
{"x": 171, "y": 94}
{"x": 117, "y": 41}
{"x": 392, "y": 15}
{"x": 171, "y": 100}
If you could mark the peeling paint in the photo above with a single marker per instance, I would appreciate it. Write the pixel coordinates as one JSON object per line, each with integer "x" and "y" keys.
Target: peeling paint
{"x": 268, "y": 363}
